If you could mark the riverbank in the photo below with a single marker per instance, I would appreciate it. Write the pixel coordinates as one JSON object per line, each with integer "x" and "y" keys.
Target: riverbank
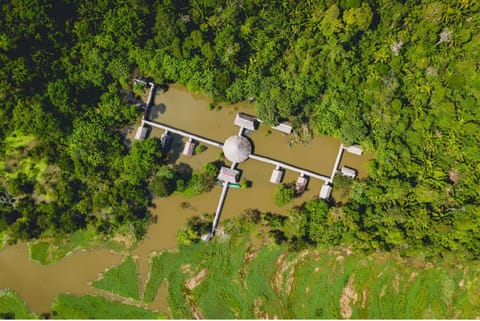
{"x": 39, "y": 285}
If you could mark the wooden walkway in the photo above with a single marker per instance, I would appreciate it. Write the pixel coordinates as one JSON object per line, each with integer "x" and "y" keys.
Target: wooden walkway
{"x": 183, "y": 133}
{"x": 290, "y": 167}
{"x": 337, "y": 162}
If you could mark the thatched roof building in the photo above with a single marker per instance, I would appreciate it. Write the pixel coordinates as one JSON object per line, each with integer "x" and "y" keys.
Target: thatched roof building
{"x": 237, "y": 149}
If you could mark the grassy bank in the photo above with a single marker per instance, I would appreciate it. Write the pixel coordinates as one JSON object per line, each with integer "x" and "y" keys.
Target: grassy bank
{"x": 232, "y": 279}
{"x": 94, "y": 307}
{"x": 13, "y": 307}
{"x": 122, "y": 280}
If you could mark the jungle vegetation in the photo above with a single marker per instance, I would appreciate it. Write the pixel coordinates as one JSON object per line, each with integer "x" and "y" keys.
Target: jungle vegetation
{"x": 402, "y": 78}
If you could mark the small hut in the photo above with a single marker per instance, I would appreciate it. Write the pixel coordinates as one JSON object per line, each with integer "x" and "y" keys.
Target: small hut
{"x": 165, "y": 139}
{"x": 301, "y": 184}
{"x": 246, "y": 121}
{"x": 229, "y": 175}
{"x": 284, "y": 128}
{"x": 349, "y": 172}
{"x": 189, "y": 148}
{"x": 326, "y": 191}
{"x": 142, "y": 132}
{"x": 355, "y": 149}
{"x": 277, "y": 176}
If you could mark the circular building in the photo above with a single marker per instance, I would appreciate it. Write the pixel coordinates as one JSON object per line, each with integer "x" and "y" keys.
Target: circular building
{"x": 237, "y": 149}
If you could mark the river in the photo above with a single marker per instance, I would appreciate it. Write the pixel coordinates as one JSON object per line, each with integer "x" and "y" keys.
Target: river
{"x": 38, "y": 285}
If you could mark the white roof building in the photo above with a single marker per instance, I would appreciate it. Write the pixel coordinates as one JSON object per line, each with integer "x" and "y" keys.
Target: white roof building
{"x": 141, "y": 132}
{"x": 325, "y": 192}
{"x": 349, "y": 172}
{"x": 246, "y": 121}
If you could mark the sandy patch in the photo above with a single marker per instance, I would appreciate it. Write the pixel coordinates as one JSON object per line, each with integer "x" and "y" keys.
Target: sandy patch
{"x": 348, "y": 296}
{"x": 196, "y": 280}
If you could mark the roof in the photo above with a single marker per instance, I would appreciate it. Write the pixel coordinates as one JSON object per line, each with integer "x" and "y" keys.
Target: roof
{"x": 189, "y": 148}
{"x": 245, "y": 121}
{"x": 237, "y": 149}
{"x": 301, "y": 184}
{"x": 277, "y": 176}
{"x": 141, "y": 133}
{"x": 228, "y": 175}
{"x": 355, "y": 149}
{"x": 325, "y": 192}
{"x": 283, "y": 127}
{"x": 349, "y": 172}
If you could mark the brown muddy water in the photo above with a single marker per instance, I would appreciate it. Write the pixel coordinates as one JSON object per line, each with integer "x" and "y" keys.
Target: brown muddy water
{"x": 39, "y": 285}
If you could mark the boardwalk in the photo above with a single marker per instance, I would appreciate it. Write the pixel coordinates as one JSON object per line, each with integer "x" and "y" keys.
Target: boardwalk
{"x": 289, "y": 167}
{"x": 183, "y": 133}
{"x": 337, "y": 162}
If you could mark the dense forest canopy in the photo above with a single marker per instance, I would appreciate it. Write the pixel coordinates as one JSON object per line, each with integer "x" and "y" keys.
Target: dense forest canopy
{"x": 400, "y": 77}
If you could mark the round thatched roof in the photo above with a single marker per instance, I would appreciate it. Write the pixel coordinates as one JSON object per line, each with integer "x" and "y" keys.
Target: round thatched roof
{"x": 237, "y": 149}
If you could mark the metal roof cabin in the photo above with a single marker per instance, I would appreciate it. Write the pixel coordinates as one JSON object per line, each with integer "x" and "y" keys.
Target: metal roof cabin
{"x": 284, "y": 128}
{"x": 189, "y": 148}
{"x": 349, "y": 172}
{"x": 325, "y": 192}
{"x": 277, "y": 176}
{"x": 229, "y": 175}
{"x": 355, "y": 149}
{"x": 141, "y": 132}
{"x": 246, "y": 121}
{"x": 301, "y": 184}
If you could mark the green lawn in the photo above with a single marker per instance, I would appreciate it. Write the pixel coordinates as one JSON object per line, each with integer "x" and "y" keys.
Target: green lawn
{"x": 122, "y": 280}
{"x": 13, "y": 307}
{"x": 94, "y": 307}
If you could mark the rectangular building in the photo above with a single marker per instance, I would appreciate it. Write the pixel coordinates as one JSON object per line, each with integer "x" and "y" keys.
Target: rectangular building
{"x": 349, "y": 172}
{"x": 277, "y": 176}
{"x": 301, "y": 184}
{"x": 229, "y": 175}
{"x": 355, "y": 149}
{"x": 246, "y": 121}
{"x": 284, "y": 128}
{"x": 141, "y": 132}
{"x": 325, "y": 192}
{"x": 189, "y": 148}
